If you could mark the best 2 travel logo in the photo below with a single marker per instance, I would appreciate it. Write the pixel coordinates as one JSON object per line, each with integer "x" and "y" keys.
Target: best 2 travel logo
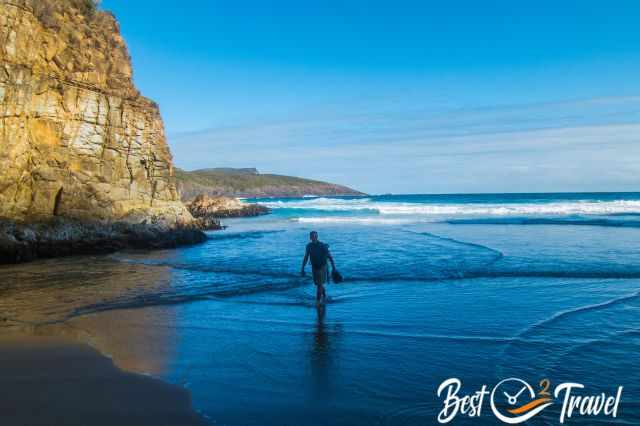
{"x": 514, "y": 401}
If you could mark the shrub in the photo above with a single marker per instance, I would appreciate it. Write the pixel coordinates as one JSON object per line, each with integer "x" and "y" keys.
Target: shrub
{"x": 45, "y": 10}
{"x": 86, "y": 7}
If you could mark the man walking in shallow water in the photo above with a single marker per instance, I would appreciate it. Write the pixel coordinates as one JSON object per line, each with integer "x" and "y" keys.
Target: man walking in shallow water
{"x": 319, "y": 253}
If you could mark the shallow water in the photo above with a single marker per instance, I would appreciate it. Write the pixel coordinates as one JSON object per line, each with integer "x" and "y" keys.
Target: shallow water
{"x": 480, "y": 288}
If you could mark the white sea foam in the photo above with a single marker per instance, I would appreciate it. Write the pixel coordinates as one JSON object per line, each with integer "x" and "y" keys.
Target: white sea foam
{"x": 325, "y": 204}
{"x": 367, "y": 220}
{"x": 558, "y": 208}
{"x": 476, "y": 209}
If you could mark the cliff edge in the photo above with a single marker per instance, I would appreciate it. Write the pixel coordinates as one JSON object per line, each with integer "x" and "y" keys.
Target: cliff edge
{"x": 77, "y": 139}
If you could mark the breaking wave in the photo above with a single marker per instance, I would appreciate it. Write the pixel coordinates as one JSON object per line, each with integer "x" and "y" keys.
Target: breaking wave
{"x": 370, "y": 205}
{"x": 241, "y": 235}
{"x": 584, "y": 221}
{"x": 366, "y": 220}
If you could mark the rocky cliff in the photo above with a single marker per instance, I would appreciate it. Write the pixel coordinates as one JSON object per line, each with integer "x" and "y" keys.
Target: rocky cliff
{"x": 76, "y": 137}
{"x": 77, "y": 140}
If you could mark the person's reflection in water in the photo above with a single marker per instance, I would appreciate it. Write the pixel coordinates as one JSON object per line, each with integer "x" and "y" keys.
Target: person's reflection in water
{"x": 320, "y": 358}
{"x": 323, "y": 357}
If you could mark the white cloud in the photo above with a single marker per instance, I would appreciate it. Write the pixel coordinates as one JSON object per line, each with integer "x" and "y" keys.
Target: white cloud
{"x": 570, "y": 146}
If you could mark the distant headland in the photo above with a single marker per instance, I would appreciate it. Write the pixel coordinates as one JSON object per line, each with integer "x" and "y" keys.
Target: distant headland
{"x": 250, "y": 183}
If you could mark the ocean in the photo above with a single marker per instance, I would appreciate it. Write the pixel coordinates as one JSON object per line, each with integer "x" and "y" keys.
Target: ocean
{"x": 475, "y": 287}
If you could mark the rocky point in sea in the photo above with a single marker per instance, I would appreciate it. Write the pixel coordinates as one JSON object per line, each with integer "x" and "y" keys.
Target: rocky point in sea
{"x": 210, "y": 209}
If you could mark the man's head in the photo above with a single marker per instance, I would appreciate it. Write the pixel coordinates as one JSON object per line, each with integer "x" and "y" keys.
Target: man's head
{"x": 313, "y": 236}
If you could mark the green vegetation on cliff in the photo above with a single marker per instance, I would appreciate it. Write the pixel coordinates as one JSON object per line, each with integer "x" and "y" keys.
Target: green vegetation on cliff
{"x": 251, "y": 183}
{"x": 50, "y": 12}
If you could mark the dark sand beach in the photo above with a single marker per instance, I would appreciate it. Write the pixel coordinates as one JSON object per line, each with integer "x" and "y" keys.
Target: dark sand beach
{"x": 56, "y": 381}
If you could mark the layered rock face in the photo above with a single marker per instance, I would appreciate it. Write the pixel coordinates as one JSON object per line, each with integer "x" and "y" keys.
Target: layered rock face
{"x": 77, "y": 139}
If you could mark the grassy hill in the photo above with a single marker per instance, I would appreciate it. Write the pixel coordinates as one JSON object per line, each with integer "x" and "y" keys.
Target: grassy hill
{"x": 250, "y": 183}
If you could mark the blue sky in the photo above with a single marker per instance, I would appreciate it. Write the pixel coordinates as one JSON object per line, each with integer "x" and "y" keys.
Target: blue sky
{"x": 398, "y": 96}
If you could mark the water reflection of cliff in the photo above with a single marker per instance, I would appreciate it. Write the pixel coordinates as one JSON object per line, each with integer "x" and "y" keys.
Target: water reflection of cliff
{"x": 139, "y": 340}
{"x": 75, "y": 297}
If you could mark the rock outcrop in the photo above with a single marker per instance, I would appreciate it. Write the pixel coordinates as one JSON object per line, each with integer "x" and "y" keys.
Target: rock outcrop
{"x": 23, "y": 242}
{"x": 210, "y": 209}
{"x": 77, "y": 140}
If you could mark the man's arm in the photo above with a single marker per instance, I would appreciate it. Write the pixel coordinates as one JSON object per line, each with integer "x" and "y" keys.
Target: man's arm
{"x": 333, "y": 265}
{"x": 304, "y": 262}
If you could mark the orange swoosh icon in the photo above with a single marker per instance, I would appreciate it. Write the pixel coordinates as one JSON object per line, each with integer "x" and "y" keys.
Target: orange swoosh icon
{"x": 530, "y": 406}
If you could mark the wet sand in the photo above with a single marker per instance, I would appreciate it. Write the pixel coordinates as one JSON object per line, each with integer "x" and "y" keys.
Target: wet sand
{"x": 56, "y": 381}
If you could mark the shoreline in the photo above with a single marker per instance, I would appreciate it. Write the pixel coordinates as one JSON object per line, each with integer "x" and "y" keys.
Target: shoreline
{"x": 53, "y": 377}
{"x": 26, "y": 241}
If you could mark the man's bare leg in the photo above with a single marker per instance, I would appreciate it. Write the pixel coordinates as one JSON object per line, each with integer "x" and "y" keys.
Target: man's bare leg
{"x": 320, "y": 293}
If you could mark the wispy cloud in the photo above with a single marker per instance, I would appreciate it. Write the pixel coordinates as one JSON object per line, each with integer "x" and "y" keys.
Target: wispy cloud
{"x": 572, "y": 145}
